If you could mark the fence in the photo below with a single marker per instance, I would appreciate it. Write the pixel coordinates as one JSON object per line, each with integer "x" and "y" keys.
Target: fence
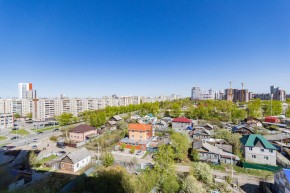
{"x": 260, "y": 167}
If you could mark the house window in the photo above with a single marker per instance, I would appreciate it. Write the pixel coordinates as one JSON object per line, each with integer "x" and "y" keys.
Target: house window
{"x": 262, "y": 150}
{"x": 253, "y": 156}
{"x": 270, "y": 150}
{"x": 141, "y": 136}
{"x": 77, "y": 165}
{"x": 132, "y": 135}
{"x": 266, "y": 157}
{"x": 250, "y": 148}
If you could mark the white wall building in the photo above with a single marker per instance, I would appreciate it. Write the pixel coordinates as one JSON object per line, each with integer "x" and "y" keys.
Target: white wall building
{"x": 6, "y": 121}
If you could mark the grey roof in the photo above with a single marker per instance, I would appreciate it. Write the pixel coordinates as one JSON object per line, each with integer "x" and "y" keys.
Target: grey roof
{"x": 112, "y": 122}
{"x": 78, "y": 155}
{"x": 276, "y": 137}
{"x": 117, "y": 117}
{"x": 213, "y": 149}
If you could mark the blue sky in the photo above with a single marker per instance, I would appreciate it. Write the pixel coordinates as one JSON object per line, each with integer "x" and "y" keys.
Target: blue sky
{"x": 145, "y": 47}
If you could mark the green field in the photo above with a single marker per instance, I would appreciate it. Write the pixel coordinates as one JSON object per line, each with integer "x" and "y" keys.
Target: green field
{"x": 47, "y": 159}
{"x": 20, "y": 132}
{"x": 45, "y": 129}
{"x": 2, "y": 138}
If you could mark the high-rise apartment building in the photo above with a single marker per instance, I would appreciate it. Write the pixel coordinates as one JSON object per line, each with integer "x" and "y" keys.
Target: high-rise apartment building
{"x": 236, "y": 95}
{"x": 26, "y": 91}
{"x": 196, "y": 93}
{"x": 278, "y": 93}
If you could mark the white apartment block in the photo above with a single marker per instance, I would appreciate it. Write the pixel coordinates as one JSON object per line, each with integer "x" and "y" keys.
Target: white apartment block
{"x": 43, "y": 108}
{"x": 6, "y": 121}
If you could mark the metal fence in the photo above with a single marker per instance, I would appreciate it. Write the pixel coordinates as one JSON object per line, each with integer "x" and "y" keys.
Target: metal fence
{"x": 260, "y": 167}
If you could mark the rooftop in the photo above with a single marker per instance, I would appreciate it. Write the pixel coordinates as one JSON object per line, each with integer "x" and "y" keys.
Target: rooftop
{"x": 78, "y": 155}
{"x": 82, "y": 128}
{"x": 182, "y": 120}
{"x": 139, "y": 127}
{"x": 252, "y": 139}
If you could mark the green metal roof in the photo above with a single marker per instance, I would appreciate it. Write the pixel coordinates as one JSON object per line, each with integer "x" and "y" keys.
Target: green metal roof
{"x": 252, "y": 139}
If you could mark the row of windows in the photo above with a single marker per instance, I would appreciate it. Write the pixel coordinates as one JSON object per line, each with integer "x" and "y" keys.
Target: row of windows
{"x": 265, "y": 157}
{"x": 140, "y": 136}
{"x": 262, "y": 150}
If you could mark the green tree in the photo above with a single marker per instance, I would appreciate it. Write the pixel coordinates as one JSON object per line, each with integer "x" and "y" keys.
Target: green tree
{"x": 64, "y": 119}
{"x": 132, "y": 150}
{"x": 255, "y": 108}
{"x": 29, "y": 115}
{"x": 175, "y": 110}
{"x": 180, "y": 145}
{"x": 288, "y": 112}
{"x": 16, "y": 116}
{"x": 108, "y": 159}
{"x": 276, "y": 108}
{"x": 122, "y": 146}
{"x": 194, "y": 155}
{"x": 202, "y": 172}
{"x": 190, "y": 185}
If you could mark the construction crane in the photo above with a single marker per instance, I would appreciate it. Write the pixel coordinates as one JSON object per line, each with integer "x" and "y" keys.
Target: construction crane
{"x": 231, "y": 92}
{"x": 243, "y": 91}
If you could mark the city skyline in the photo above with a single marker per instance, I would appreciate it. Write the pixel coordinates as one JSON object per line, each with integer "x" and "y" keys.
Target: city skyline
{"x": 143, "y": 48}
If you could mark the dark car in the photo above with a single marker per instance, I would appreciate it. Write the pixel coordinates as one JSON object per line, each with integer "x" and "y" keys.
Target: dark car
{"x": 15, "y": 128}
{"x": 56, "y": 129}
{"x": 15, "y": 137}
{"x": 40, "y": 132}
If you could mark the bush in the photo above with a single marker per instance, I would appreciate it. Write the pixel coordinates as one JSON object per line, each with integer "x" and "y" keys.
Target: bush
{"x": 132, "y": 150}
{"x": 53, "y": 138}
{"x": 202, "y": 172}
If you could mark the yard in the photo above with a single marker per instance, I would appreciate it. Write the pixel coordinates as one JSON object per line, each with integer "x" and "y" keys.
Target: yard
{"x": 20, "y": 132}
{"x": 2, "y": 138}
{"x": 44, "y": 129}
{"x": 47, "y": 159}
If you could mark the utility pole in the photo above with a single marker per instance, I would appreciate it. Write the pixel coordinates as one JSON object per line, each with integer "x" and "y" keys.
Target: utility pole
{"x": 271, "y": 103}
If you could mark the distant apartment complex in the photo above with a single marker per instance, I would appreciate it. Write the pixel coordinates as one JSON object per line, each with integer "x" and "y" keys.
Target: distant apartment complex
{"x": 198, "y": 94}
{"x": 47, "y": 108}
{"x": 276, "y": 93}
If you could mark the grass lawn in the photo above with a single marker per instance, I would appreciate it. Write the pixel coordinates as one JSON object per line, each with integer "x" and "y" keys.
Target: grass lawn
{"x": 20, "y": 132}
{"x": 258, "y": 173}
{"x": 45, "y": 129}
{"x": 48, "y": 159}
{"x": 2, "y": 138}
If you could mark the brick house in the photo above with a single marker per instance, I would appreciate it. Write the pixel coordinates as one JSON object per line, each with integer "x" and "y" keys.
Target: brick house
{"x": 257, "y": 149}
{"x": 82, "y": 132}
{"x": 140, "y": 135}
{"x": 75, "y": 161}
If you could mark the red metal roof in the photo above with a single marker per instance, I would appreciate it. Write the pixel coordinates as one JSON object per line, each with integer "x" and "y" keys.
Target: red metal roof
{"x": 182, "y": 120}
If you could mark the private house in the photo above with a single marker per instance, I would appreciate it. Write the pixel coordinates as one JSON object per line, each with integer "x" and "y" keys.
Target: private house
{"x": 222, "y": 144}
{"x": 75, "y": 161}
{"x": 279, "y": 140}
{"x": 253, "y": 122}
{"x": 200, "y": 133}
{"x": 214, "y": 154}
{"x": 112, "y": 125}
{"x": 282, "y": 181}
{"x": 257, "y": 149}
{"x": 140, "y": 135}
{"x": 181, "y": 123}
{"x": 242, "y": 129}
{"x": 116, "y": 118}
{"x": 82, "y": 133}
{"x": 208, "y": 127}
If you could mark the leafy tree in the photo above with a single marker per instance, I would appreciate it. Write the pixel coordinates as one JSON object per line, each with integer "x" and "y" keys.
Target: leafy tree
{"x": 33, "y": 159}
{"x": 132, "y": 150}
{"x": 29, "y": 115}
{"x": 180, "y": 145}
{"x": 108, "y": 159}
{"x": 223, "y": 134}
{"x": 169, "y": 184}
{"x": 175, "y": 110}
{"x": 123, "y": 146}
{"x": 195, "y": 155}
{"x": 238, "y": 114}
{"x": 202, "y": 172}
{"x": 190, "y": 185}
{"x": 288, "y": 112}
{"x": 276, "y": 108}
{"x": 254, "y": 108}
{"x": 16, "y": 116}
{"x": 64, "y": 119}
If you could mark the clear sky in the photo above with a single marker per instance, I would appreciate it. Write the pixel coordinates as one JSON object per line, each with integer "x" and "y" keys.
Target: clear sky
{"x": 143, "y": 47}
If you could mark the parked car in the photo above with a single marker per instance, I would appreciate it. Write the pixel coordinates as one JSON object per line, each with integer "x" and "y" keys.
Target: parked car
{"x": 40, "y": 132}
{"x": 34, "y": 147}
{"x": 138, "y": 152}
{"x": 14, "y": 137}
{"x": 34, "y": 140}
{"x": 56, "y": 129}
{"x": 15, "y": 128}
